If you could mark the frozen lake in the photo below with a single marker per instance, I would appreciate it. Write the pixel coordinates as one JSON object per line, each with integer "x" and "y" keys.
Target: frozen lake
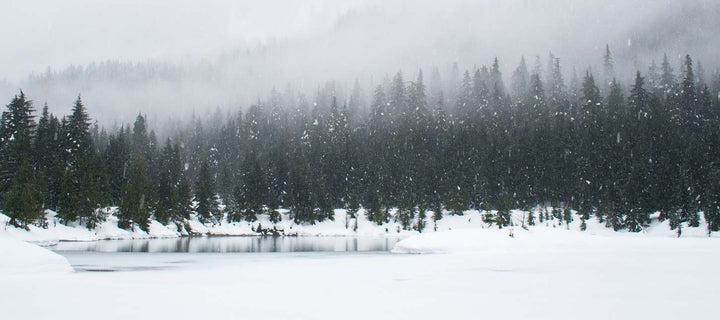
{"x": 544, "y": 273}
{"x": 161, "y": 254}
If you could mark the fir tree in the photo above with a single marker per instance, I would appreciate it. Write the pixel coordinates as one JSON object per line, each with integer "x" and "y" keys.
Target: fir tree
{"x": 83, "y": 178}
{"x": 251, "y": 195}
{"x": 18, "y": 130}
{"x": 134, "y": 208}
{"x": 420, "y": 225}
{"x": 520, "y": 80}
{"x": 667, "y": 78}
{"x": 207, "y": 202}
{"x": 22, "y": 202}
{"x": 183, "y": 205}
{"x": 608, "y": 67}
{"x": 531, "y": 218}
{"x": 167, "y": 187}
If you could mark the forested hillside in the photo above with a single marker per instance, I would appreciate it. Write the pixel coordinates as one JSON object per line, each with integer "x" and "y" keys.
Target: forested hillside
{"x": 612, "y": 149}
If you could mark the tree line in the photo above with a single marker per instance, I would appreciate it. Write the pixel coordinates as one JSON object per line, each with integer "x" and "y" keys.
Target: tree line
{"x": 610, "y": 151}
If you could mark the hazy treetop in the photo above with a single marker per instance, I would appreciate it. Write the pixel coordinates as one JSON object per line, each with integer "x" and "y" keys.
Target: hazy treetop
{"x": 262, "y": 44}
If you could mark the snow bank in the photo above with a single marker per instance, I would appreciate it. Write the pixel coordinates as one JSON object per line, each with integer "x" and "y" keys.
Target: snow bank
{"x": 106, "y": 230}
{"x": 341, "y": 225}
{"x": 536, "y": 239}
{"x": 18, "y": 257}
{"x": 47, "y": 236}
{"x": 109, "y": 230}
{"x": 508, "y": 239}
{"x": 456, "y": 241}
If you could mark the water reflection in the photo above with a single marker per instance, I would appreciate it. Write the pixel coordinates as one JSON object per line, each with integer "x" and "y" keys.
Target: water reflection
{"x": 235, "y": 244}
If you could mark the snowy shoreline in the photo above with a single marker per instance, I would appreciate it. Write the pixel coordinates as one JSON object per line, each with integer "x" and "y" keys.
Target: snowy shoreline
{"x": 108, "y": 229}
{"x": 341, "y": 226}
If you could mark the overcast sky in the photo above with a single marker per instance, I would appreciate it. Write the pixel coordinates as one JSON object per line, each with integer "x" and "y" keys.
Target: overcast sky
{"x": 306, "y": 42}
{"x": 40, "y": 33}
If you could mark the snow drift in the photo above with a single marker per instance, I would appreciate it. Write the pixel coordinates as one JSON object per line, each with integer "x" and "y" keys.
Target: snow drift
{"x": 19, "y": 257}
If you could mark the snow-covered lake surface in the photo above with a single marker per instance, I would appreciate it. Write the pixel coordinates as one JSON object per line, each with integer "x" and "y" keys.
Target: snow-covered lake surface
{"x": 467, "y": 274}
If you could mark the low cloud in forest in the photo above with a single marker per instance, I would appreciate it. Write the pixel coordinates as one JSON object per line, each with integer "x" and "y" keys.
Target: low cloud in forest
{"x": 174, "y": 58}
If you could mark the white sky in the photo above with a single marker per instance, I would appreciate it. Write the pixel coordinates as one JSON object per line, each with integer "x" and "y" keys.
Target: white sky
{"x": 40, "y": 33}
{"x": 309, "y": 42}
{"x": 35, "y": 34}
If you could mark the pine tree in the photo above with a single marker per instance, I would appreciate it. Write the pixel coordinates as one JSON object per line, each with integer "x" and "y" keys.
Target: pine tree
{"x": 608, "y": 68}
{"x": 464, "y": 107}
{"x": 567, "y": 216}
{"x": 117, "y": 158}
{"x": 207, "y": 202}
{"x": 167, "y": 187}
{"x": 653, "y": 77}
{"x": 18, "y": 129}
{"x": 251, "y": 193}
{"x": 134, "y": 208}
{"x": 301, "y": 203}
{"x": 615, "y": 100}
{"x": 531, "y": 218}
{"x": 520, "y": 80}
{"x": 691, "y": 121}
{"x": 496, "y": 79}
{"x": 83, "y": 177}
{"x": 22, "y": 202}
{"x": 435, "y": 86}
{"x": 667, "y": 79}
{"x": 556, "y": 86}
{"x": 44, "y": 153}
{"x": 688, "y": 94}
{"x": 377, "y": 175}
{"x": 183, "y": 205}
{"x": 22, "y": 179}
{"x": 420, "y": 225}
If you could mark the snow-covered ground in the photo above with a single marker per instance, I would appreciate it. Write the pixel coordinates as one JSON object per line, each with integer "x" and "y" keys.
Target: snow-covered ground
{"x": 342, "y": 225}
{"x": 19, "y": 257}
{"x": 107, "y": 229}
{"x": 472, "y": 273}
{"x": 467, "y": 269}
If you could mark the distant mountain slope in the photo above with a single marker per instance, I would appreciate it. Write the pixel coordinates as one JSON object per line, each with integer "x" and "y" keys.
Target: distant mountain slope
{"x": 377, "y": 39}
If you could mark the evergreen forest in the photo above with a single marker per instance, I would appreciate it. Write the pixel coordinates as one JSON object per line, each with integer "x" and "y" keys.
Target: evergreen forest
{"x": 609, "y": 148}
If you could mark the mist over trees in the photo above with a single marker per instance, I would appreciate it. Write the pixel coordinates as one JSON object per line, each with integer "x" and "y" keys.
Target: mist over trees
{"x": 612, "y": 149}
{"x": 173, "y": 67}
